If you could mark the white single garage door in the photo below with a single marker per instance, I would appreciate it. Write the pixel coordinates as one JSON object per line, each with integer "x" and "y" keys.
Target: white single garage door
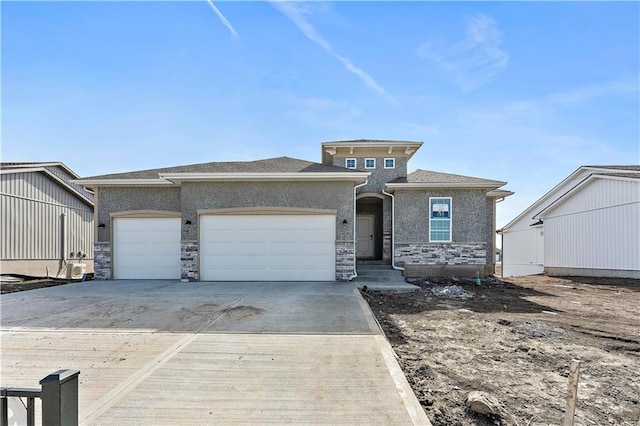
{"x": 267, "y": 248}
{"x": 146, "y": 248}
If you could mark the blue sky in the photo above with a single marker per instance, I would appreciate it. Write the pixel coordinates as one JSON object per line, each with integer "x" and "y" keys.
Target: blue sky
{"x": 521, "y": 92}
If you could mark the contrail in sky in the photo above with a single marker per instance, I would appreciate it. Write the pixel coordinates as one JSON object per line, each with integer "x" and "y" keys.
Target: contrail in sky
{"x": 223, "y": 19}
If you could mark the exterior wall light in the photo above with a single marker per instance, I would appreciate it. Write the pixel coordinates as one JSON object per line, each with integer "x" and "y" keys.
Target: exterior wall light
{"x": 187, "y": 222}
{"x": 102, "y": 225}
{"x": 344, "y": 222}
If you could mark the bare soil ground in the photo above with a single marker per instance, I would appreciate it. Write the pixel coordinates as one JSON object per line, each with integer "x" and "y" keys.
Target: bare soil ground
{"x": 515, "y": 339}
{"x": 28, "y": 284}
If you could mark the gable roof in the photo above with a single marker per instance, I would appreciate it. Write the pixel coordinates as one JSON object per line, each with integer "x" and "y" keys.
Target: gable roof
{"x": 577, "y": 188}
{"x": 560, "y": 189}
{"x": 34, "y": 164}
{"x": 56, "y": 171}
{"x": 280, "y": 168}
{"x": 431, "y": 179}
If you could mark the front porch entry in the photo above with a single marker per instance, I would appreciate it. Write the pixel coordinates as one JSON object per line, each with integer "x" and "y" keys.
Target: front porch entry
{"x": 369, "y": 228}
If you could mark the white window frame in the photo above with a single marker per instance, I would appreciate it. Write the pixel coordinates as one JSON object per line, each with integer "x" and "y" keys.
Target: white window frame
{"x": 393, "y": 163}
{"x": 355, "y": 163}
{"x": 370, "y": 159}
{"x": 449, "y": 219}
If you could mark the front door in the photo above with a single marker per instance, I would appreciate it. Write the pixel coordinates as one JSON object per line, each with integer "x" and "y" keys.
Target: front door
{"x": 364, "y": 234}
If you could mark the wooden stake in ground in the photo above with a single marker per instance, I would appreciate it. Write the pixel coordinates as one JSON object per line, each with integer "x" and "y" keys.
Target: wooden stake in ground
{"x": 572, "y": 392}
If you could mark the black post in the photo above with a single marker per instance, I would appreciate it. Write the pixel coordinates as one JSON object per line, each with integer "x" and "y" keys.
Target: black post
{"x": 60, "y": 398}
{"x": 4, "y": 414}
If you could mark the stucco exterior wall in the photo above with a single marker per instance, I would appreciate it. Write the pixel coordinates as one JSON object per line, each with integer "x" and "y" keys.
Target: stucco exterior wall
{"x": 316, "y": 195}
{"x": 112, "y": 200}
{"x": 472, "y": 221}
{"x": 191, "y": 197}
{"x": 470, "y": 215}
{"x": 379, "y": 175}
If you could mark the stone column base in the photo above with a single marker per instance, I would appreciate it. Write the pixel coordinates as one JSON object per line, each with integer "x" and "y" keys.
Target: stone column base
{"x": 189, "y": 261}
{"x": 102, "y": 260}
{"x": 345, "y": 258}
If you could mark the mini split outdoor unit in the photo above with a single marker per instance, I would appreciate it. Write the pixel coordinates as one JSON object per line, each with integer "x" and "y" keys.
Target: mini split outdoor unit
{"x": 75, "y": 271}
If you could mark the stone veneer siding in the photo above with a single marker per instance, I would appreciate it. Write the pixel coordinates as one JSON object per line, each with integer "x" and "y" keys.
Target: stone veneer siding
{"x": 189, "y": 261}
{"x": 102, "y": 260}
{"x": 440, "y": 254}
{"x": 345, "y": 258}
{"x": 386, "y": 246}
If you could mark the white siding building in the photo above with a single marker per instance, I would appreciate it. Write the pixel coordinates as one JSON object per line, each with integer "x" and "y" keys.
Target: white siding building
{"x": 589, "y": 224}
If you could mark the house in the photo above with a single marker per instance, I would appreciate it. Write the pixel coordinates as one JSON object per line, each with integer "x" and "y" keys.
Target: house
{"x": 295, "y": 220}
{"x": 588, "y": 225}
{"x": 47, "y": 220}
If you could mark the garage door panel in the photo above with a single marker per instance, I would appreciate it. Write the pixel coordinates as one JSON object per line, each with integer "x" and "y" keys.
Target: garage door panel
{"x": 269, "y": 261}
{"x": 266, "y": 248}
{"x": 146, "y": 248}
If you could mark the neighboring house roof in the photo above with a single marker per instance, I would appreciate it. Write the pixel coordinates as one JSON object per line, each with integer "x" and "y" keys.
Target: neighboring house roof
{"x": 32, "y": 164}
{"x": 628, "y": 168}
{"x": 560, "y": 189}
{"x": 279, "y": 168}
{"x": 616, "y": 174}
{"x": 56, "y": 171}
{"x": 431, "y": 179}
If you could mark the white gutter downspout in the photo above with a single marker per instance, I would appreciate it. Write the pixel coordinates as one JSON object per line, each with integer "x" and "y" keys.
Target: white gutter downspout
{"x": 393, "y": 232}
{"x": 355, "y": 236}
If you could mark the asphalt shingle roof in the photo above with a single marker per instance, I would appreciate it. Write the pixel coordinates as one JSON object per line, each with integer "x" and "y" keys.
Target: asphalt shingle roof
{"x": 428, "y": 176}
{"x": 626, "y": 175}
{"x": 270, "y": 165}
{"x": 633, "y": 167}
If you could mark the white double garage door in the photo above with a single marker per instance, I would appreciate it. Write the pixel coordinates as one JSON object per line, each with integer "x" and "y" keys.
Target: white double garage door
{"x": 231, "y": 248}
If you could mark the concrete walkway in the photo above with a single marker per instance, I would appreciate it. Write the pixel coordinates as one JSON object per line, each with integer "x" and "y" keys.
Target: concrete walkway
{"x": 165, "y": 352}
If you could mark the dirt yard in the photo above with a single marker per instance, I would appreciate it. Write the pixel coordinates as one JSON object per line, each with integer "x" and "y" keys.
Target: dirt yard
{"x": 515, "y": 339}
{"x": 28, "y": 284}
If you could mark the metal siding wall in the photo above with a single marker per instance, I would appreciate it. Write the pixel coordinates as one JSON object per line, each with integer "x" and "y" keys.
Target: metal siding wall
{"x": 30, "y": 228}
{"x": 605, "y": 239}
{"x": 600, "y": 193}
{"x": 526, "y": 221}
{"x": 520, "y": 250}
{"x": 67, "y": 178}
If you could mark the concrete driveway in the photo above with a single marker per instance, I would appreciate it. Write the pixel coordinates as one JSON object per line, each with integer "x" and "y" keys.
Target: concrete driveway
{"x": 166, "y": 352}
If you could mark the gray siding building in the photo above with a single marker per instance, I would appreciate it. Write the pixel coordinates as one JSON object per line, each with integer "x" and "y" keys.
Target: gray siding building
{"x": 46, "y": 221}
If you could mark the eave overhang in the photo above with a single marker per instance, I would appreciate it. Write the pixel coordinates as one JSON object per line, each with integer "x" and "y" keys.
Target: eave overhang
{"x": 395, "y": 148}
{"x": 176, "y": 179}
{"x": 430, "y": 185}
{"x": 93, "y": 183}
{"x": 266, "y": 177}
{"x": 499, "y": 193}
{"x": 372, "y": 144}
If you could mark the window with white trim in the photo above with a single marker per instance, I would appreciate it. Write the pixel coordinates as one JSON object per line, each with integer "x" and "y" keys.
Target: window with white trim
{"x": 440, "y": 219}
{"x": 389, "y": 163}
{"x": 369, "y": 163}
{"x": 350, "y": 163}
